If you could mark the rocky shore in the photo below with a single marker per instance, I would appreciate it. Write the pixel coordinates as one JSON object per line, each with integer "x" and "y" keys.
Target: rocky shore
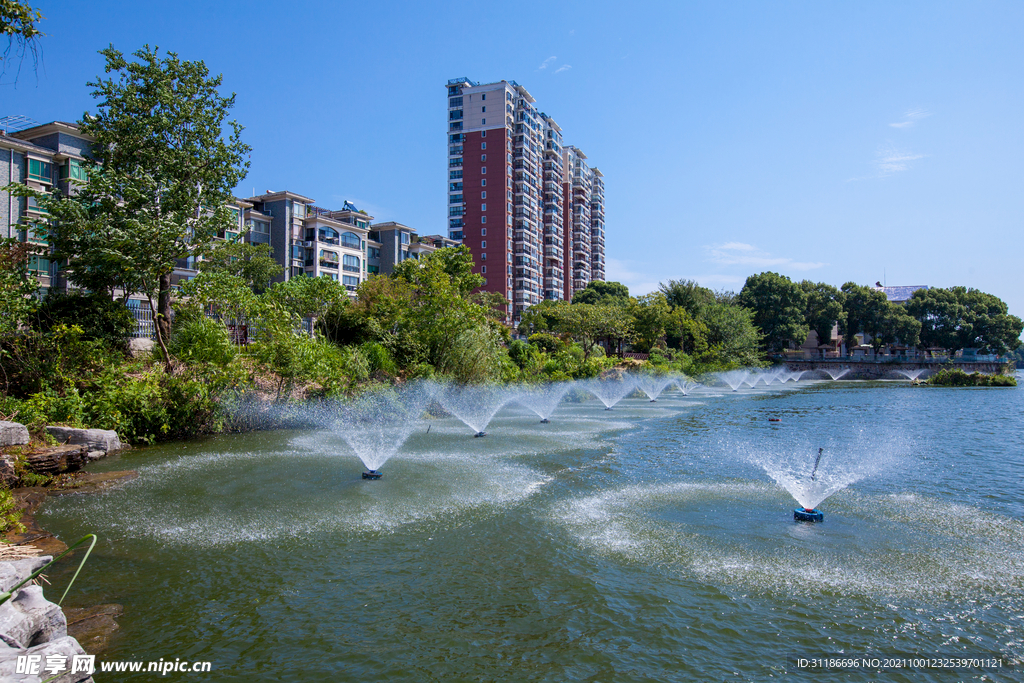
{"x": 29, "y": 623}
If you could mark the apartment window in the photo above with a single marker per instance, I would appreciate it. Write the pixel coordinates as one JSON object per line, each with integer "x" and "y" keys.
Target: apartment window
{"x": 483, "y": 170}
{"x": 349, "y": 280}
{"x": 373, "y": 252}
{"x": 405, "y": 238}
{"x": 332, "y": 276}
{"x": 483, "y": 207}
{"x": 483, "y": 157}
{"x": 31, "y": 204}
{"x": 483, "y": 133}
{"x": 454, "y": 90}
{"x": 328, "y": 259}
{"x": 73, "y": 170}
{"x": 483, "y": 256}
{"x": 40, "y": 170}
{"x": 37, "y": 265}
{"x": 351, "y": 240}
{"x": 483, "y": 96}
{"x": 298, "y": 209}
{"x": 350, "y": 263}
{"x": 483, "y": 244}
{"x": 483, "y": 182}
{"x": 483, "y": 122}
{"x": 483, "y": 232}
{"x": 455, "y": 102}
{"x": 454, "y": 187}
{"x": 483, "y": 195}
{"x": 457, "y": 161}
{"x": 483, "y": 219}
{"x": 455, "y": 175}
{"x": 483, "y": 110}
{"x": 483, "y": 269}
{"x": 483, "y": 145}
{"x": 455, "y": 115}
{"x": 455, "y": 199}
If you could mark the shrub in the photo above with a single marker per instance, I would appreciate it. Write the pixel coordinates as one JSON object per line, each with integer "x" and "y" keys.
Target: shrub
{"x": 100, "y": 318}
{"x": 9, "y": 512}
{"x": 202, "y": 340}
{"x": 379, "y": 358}
{"x": 959, "y": 378}
{"x": 546, "y": 342}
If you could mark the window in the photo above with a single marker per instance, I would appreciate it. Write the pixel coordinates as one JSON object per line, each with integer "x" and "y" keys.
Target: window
{"x": 455, "y": 175}
{"x": 454, "y": 187}
{"x": 405, "y": 254}
{"x": 483, "y": 96}
{"x": 350, "y": 263}
{"x": 405, "y": 238}
{"x": 483, "y": 182}
{"x": 455, "y": 115}
{"x": 483, "y": 207}
{"x": 483, "y": 110}
{"x": 37, "y": 265}
{"x": 483, "y": 133}
{"x": 31, "y": 204}
{"x": 483, "y": 232}
{"x": 328, "y": 235}
{"x": 483, "y": 145}
{"x": 483, "y": 170}
{"x": 40, "y": 170}
{"x": 483, "y": 256}
{"x": 455, "y": 102}
{"x": 73, "y": 170}
{"x": 483, "y": 269}
{"x": 483, "y": 195}
{"x": 350, "y": 240}
{"x": 375, "y": 270}
{"x": 328, "y": 259}
{"x": 350, "y": 281}
{"x": 454, "y": 90}
{"x": 332, "y": 276}
{"x": 373, "y": 252}
{"x": 483, "y": 244}
{"x": 483, "y": 157}
{"x": 483, "y": 122}
{"x": 298, "y": 209}
{"x": 483, "y": 219}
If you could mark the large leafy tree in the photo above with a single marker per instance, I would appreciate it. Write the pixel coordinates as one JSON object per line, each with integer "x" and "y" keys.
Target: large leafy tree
{"x": 165, "y": 158}
{"x": 18, "y": 25}
{"x": 651, "y": 317}
{"x": 823, "y": 308}
{"x": 959, "y": 318}
{"x": 870, "y": 311}
{"x": 17, "y": 287}
{"x": 589, "y": 323}
{"x": 599, "y": 292}
{"x": 778, "y": 306}
{"x": 251, "y": 262}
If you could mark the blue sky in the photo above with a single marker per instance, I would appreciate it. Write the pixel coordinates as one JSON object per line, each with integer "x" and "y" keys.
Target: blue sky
{"x": 829, "y": 141}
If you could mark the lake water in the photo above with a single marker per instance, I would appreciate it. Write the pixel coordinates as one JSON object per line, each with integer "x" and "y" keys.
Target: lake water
{"x": 640, "y": 544}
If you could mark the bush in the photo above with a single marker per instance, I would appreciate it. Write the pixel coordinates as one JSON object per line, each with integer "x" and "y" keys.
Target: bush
{"x": 379, "y": 358}
{"x": 546, "y": 342}
{"x": 100, "y": 318}
{"x": 9, "y": 512}
{"x": 202, "y": 340}
{"x": 59, "y": 360}
{"x": 959, "y": 378}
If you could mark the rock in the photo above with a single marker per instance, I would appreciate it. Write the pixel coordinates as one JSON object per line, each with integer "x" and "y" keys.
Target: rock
{"x": 13, "y": 573}
{"x": 93, "y": 626}
{"x": 65, "y": 648}
{"x": 8, "y": 475}
{"x": 105, "y": 440}
{"x": 29, "y": 619}
{"x": 57, "y": 460}
{"x": 13, "y": 434}
{"x": 95, "y": 455}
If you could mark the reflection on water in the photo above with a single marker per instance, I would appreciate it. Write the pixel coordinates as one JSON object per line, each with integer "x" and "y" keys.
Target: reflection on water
{"x": 643, "y": 544}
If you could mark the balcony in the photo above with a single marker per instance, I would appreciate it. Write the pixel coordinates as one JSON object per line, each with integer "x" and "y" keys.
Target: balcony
{"x": 330, "y": 265}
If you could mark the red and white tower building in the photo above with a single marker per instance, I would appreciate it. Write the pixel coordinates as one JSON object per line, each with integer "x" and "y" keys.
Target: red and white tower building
{"x": 507, "y": 196}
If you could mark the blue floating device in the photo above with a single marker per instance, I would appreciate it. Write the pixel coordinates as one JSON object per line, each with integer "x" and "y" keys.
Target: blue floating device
{"x": 808, "y": 515}
{"x": 372, "y": 474}
{"x": 480, "y": 434}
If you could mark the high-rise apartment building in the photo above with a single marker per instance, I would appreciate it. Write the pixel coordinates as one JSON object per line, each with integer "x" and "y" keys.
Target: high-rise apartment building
{"x": 508, "y": 198}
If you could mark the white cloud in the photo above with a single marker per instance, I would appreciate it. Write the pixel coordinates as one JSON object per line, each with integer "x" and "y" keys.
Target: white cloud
{"x": 546, "y": 62}
{"x": 911, "y": 117}
{"x": 640, "y": 280}
{"x": 740, "y": 254}
{"x": 564, "y": 67}
{"x": 890, "y": 160}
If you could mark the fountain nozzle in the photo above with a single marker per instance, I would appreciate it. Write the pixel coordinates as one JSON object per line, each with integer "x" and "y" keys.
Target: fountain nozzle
{"x": 808, "y": 515}
{"x": 545, "y": 421}
{"x": 479, "y": 434}
{"x": 372, "y": 474}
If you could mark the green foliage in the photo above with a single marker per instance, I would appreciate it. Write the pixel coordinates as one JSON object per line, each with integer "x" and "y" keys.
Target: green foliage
{"x": 870, "y": 311}
{"x": 600, "y": 293}
{"x": 823, "y": 309}
{"x": 778, "y": 306}
{"x": 252, "y": 263}
{"x": 18, "y": 24}
{"x": 9, "y": 512}
{"x": 99, "y": 317}
{"x": 651, "y": 318}
{"x": 548, "y": 343}
{"x": 33, "y": 361}
{"x": 476, "y": 356}
{"x": 198, "y": 339}
{"x": 962, "y": 318}
{"x": 959, "y": 378}
{"x": 378, "y": 358}
{"x": 17, "y": 288}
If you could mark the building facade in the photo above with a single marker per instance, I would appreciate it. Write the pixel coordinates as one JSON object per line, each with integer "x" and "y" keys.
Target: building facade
{"x": 511, "y": 196}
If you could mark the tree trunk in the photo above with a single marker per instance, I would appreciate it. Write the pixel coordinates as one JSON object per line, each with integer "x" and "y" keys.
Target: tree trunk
{"x": 162, "y": 319}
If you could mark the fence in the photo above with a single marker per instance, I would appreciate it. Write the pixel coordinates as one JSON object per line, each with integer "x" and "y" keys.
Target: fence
{"x": 242, "y": 332}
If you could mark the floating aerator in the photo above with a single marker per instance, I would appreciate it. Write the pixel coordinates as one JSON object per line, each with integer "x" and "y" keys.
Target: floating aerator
{"x": 545, "y": 421}
{"x": 479, "y": 434}
{"x": 372, "y": 474}
{"x": 808, "y": 515}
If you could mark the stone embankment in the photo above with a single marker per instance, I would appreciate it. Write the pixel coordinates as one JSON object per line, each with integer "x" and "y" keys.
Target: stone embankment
{"x": 29, "y": 624}
{"x": 890, "y": 369}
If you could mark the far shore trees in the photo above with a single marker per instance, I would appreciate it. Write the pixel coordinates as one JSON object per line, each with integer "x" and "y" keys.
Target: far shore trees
{"x": 778, "y": 306}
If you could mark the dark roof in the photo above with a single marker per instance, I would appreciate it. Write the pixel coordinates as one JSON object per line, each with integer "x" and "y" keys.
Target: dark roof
{"x": 902, "y": 293}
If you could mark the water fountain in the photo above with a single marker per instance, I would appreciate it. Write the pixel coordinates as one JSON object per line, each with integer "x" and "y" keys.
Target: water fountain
{"x": 375, "y": 424}
{"x": 475, "y": 405}
{"x": 835, "y": 374}
{"x": 543, "y": 399}
{"x": 653, "y": 385}
{"x": 612, "y": 389}
{"x": 912, "y": 375}
{"x": 686, "y": 385}
{"x": 734, "y": 378}
{"x": 753, "y": 377}
{"x": 823, "y": 471}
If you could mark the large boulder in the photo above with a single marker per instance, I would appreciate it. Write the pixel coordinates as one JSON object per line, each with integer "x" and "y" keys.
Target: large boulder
{"x": 29, "y": 619}
{"x": 93, "y": 439}
{"x": 13, "y": 434}
{"x": 63, "y": 649}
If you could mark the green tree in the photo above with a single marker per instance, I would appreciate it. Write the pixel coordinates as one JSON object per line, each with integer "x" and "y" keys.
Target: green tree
{"x": 823, "y": 308}
{"x": 960, "y": 318}
{"x": 688, "y": 295}
{"x": 778, "y": 306}
{"x": 870, "y": 311}
{"x": 17, "y": 287}
{"x": 160, "y": 174}
{"x": 651, "y": 316}
{"x": 18, "y": 25}
{"x": 251, "y": 262}
{"x": 600, "y": 293}
{"x": 588, "y": 324}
